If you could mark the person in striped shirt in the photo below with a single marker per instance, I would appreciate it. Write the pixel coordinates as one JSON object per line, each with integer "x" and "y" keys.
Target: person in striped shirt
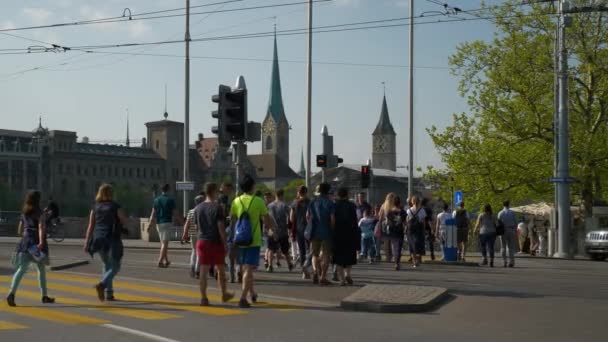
{"x": 190, "y": 234}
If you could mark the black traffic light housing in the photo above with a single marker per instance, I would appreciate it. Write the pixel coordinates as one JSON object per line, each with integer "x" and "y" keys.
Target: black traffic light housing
{"x": 231, "y": 114}
{"x": 321, "y": 160}
{"x": 339, "y": 160}
{"x": 365, "y": 176}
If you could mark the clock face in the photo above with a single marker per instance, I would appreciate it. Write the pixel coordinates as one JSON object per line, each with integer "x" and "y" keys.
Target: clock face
{"x": 380, "y": 144}
{"x": 268, "y": 128}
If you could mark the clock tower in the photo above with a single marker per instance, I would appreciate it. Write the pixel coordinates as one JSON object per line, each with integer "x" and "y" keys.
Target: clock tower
{"x": 275, "y": 128}
{"x": 384, "y": 149}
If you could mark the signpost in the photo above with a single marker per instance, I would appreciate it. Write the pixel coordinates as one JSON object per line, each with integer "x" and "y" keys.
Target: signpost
{"x": 457, "y": 198}
{"x": 184, "y": 186}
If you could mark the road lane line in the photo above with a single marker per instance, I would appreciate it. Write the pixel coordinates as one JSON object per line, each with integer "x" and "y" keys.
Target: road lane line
{"x": 184, "y": 293}
{"x": 173, "y": 304}
{"x": 50, "y": 315}
{"x": 105, "y": 307}
{"x": 11, "y": 326}
{"x": 138, "y": 333}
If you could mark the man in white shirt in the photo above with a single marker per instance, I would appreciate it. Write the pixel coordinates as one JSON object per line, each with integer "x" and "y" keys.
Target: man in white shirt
{"x": 509, "y": 237}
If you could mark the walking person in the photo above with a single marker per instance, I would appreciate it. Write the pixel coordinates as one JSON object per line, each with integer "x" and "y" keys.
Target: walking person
{"x": 462, "y": 230}
{"x": 279, "y": 211}
{"x": 441, "y": 224}
{"x": 32, "y": 248}
{"x": 362, "y": 205}
{"x": 248, "y": 256}
{"x": 103, "y": 236}
{"x": 190, "y": 234}
{"x": 486, "y": 229}
{"x": 209, "y": 218}
{"x": 393, "y": 218}
{"x": 322, "y": 214}
{"x": 428, "y": 227}
{"x": 164, "y": 213}
{"x": 509, "y": 238}
{"x": 346, "y": 237}
{"x": 416, "y": 218}
{"x": 367, "y": 225}
{"x": 298, "y": 218}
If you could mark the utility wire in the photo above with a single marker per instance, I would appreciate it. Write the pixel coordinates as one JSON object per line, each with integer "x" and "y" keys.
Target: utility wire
{"x": 136, "y": 17}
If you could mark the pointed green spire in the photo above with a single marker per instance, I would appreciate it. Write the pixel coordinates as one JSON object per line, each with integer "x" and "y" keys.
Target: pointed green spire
{"x": 275, "y": 103}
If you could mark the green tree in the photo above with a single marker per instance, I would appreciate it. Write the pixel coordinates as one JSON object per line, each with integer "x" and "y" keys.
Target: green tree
{"x": 291, "y": 189}
{"x": 503, "y": 148}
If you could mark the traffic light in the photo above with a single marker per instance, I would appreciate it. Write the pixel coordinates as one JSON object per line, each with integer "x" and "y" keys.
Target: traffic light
{"x": 339, "y": 160}
{"x": 231, "y": 114}
{"x": 321, "y": 160}
{"x": 365, "y": 176}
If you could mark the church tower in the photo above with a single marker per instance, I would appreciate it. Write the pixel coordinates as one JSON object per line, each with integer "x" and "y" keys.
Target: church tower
{"x": 384, "y": 151}
{"x": 275, "y": 128}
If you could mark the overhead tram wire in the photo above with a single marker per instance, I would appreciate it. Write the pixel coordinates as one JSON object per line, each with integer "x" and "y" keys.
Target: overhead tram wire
{"x": 136, "y": 16}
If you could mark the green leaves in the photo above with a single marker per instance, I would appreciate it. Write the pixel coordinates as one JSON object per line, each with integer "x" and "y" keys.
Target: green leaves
{"x": 503, "y": 148}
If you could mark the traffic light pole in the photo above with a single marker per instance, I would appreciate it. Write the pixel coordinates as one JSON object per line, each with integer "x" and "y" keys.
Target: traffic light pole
{"x": 309, "y": 96}
{"x": 187, "y": 107}
{"x": 238, "y": 148}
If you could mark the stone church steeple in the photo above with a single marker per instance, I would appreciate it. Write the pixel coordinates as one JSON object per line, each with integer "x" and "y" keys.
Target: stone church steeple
{"x": 384, "y": 152}
{"x": 275, "y": 128}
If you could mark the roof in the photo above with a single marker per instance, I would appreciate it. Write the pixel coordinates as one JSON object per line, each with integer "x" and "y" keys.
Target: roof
{"x": 275, "y": 103}
{"x": 384, "y": 126}
{"x": 375, "y": 171}
{"x": 16, "y": 134}
{"x": 269, "y": 166}
{"x": 115, "y": 150}
{"x": 164, "y": 123}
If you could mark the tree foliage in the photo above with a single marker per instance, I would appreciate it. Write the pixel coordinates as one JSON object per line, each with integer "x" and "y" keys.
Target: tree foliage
{"x": 503, "y": 148}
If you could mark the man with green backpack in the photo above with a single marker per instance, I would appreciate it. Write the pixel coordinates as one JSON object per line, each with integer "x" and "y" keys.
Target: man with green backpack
{"x": 246, "y": 212}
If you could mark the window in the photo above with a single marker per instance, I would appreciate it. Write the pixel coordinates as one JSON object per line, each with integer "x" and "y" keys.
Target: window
{"x": 60, "y": 169}
{"x": 116, "y": 172}
{"x": 124, "y": 172}
{"x": 94, "y": 170}
{"x": 269, "y": 143}
{"x": 130, "y": 172}
{"x": 64, "y": 186}
{"x": 138, "y": 173}
{"x": 78, "y": 170}
{"x": 157, "y": 144}
{"x": 86, "y": 171}
{"x": 144, "y": 172}
{"x": 82, "y": 188}
{"x": 158, "y": 173}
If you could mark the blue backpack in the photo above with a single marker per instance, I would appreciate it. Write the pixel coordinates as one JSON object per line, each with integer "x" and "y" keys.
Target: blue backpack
{"x": 243, "y": 230}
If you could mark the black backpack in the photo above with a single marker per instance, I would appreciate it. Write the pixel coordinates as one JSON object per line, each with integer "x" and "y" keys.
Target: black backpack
{"x": 462, "y": 221}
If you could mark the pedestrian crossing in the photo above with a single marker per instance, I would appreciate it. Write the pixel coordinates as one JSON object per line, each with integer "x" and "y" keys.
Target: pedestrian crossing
{"x": 77, "y": 304}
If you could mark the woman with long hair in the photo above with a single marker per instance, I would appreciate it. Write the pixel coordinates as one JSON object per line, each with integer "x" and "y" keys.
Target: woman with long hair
{"x": 416, "y": 218}
{"x": 392, "y": 219}
{"x": 32, "y": 248}
{"x": 486, "y": 228}
{"x": 103, "y": 237}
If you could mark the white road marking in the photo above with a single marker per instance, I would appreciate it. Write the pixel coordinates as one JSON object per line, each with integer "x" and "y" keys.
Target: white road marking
{"x": 138, "y": 333}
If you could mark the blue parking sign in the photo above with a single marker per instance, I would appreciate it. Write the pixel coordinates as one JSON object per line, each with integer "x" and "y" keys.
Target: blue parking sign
{"x": 457, "y": 197}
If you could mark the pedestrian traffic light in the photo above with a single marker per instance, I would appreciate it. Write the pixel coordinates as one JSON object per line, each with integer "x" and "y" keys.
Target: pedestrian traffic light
{"x": 321, "y": 160}
{"x": 231, "y": 114}
{"x": 365, "y": 176}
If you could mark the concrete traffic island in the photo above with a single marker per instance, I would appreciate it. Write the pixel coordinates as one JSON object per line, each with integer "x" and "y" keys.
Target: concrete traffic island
{"x": 395, "y": 299}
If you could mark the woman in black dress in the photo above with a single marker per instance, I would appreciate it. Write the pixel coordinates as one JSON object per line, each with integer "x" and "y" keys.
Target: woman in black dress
{"x": 346, "y": 237}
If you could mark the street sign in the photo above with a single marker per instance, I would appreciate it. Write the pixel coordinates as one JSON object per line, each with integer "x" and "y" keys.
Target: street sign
{"x": 457, "y": 197}
{"x": 184, "y": 186}
{"x": 563, "y": 180}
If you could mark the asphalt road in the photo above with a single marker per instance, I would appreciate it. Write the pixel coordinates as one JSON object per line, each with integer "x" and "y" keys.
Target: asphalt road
{"x": 539, "y": 299}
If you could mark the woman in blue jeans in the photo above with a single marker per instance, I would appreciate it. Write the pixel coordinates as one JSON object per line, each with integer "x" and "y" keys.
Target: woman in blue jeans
{"x": 103, "y": 237}
{"x": 32, "y": 248}
{"x": 486, "y": 228}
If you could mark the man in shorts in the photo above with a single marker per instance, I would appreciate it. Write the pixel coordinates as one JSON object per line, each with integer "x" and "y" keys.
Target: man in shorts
{"x": 164, "y": 212}
{"x": 322, "y": 212}
{"x": 209, "y": 217}
{"x": 462, "y": 230}
{"x": 279, "y": 211}
{"x": 249, "y": 256}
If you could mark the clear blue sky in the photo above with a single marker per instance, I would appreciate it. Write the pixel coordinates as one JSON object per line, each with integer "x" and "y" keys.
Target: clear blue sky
{"x": 90, "y": 93}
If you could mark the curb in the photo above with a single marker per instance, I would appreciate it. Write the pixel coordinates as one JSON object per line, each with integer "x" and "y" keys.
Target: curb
{"x": 69, "y": 265}
{"x": 384, "y": 307}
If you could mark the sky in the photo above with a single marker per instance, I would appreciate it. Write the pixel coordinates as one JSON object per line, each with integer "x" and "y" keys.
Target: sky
{"x": 91, "y": 93}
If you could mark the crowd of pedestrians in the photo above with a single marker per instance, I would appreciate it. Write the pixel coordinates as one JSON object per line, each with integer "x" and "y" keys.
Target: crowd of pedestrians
{"x": 321, "y": 235}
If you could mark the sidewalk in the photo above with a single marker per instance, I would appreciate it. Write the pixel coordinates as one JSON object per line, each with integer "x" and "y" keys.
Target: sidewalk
{"x": 136, "y": 244}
